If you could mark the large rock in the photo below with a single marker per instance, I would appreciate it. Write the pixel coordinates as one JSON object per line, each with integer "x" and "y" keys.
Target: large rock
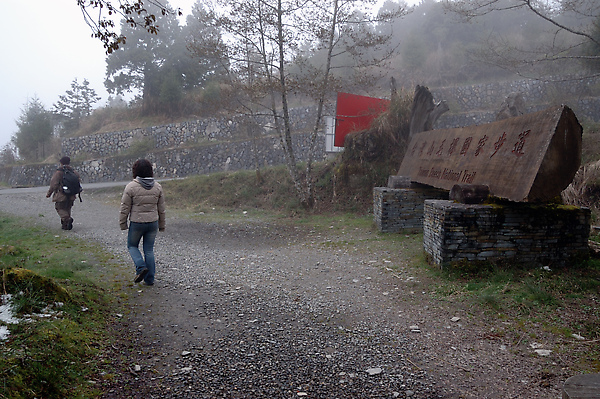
{"x": 530, "y": 158}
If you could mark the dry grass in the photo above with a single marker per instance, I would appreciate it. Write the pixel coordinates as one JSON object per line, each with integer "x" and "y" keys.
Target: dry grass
{"x": 585, "y": 189}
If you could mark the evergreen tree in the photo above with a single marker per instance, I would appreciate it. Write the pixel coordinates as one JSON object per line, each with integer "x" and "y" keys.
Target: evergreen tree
{"x": 205, "y": 45}
{"x": 8, "y": 154}
{"x": 75, "y": 105}
{"x": 136, "y": 65}
{"x": 160, "y": 65}
{"x": 35, "y": 131}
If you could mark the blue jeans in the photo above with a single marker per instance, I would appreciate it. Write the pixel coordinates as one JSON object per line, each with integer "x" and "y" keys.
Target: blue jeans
{"x": 148, "y": 232}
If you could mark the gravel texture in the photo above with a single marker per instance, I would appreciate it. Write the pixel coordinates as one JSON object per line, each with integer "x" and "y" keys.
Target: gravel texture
{"x": 254, "y": 309}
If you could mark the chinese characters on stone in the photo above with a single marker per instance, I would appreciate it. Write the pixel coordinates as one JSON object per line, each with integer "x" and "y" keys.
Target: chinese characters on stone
{"x": 447, "y": 148}
{"x": 440, "y": 150}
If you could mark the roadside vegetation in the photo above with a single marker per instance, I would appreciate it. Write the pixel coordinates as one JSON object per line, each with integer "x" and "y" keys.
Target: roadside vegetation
{"x": 62, "y": 303}
{"x": 556, "y": 305}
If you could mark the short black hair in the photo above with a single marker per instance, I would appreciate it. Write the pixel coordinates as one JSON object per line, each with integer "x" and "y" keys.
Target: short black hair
{"x": 65, "y": 161}
{"x": 142, "y": 168}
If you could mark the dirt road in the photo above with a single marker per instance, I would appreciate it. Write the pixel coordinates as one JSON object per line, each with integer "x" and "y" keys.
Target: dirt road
{"x": 255, "y": 309}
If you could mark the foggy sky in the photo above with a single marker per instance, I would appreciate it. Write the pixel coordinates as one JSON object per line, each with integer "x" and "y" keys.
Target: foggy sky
{"x": 46, "y": 45}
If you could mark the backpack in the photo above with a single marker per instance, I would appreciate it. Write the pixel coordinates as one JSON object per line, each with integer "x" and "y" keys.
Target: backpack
{"x": 70, "y": 183}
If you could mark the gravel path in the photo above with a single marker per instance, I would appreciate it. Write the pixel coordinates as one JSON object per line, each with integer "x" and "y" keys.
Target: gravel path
{"x": 251, "y": 309}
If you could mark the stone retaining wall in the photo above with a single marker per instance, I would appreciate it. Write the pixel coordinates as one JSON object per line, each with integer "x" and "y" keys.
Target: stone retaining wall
{"x": 478, "y": 104}
{"x": 173, "y": 163}
{"x": 585, "y": 109}
{"x": 103, "y": 148}
{"x": 187, "y": 133}
{"x": 489, "y": 96}
{"x": 398, "y": 209}
{"x": 521, "y": 232}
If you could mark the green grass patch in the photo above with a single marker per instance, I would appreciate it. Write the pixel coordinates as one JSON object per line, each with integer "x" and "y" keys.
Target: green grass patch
{"x": 55, "y": 354}
{"x": 556, "y": 301}
{"x": 244, "y": 189}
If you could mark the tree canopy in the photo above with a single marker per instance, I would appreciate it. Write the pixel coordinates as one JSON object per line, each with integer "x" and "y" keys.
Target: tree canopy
{"x": 138, "y": 62}
{"x": 563, "y": 42}
{"x": 35, "y": 130}
{"x": 159, "y": 64}
{"x": 76, "y": 104}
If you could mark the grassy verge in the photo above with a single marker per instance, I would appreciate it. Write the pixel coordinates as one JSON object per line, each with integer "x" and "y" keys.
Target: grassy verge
{"x": 557, "y": 306}
{"x": 62, "y": 313}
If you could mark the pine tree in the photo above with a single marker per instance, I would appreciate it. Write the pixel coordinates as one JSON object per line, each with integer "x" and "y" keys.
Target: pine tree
{"x": 35, "y": 131}
{"x": 75, "y": 105}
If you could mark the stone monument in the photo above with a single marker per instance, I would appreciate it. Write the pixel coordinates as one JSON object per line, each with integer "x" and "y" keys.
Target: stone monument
{"x": 522, "y": 163}
{"x": 529, "y": 158}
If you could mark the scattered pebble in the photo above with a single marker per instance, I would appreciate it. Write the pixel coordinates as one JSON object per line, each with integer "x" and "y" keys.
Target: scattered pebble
{"x": 543, "y": 352}
{"x": 374, "y": 371}
{"x": 237, "y": 306}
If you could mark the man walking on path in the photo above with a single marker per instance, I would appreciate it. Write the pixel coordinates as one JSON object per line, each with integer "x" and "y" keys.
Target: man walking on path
{"x": 62, "y": 202}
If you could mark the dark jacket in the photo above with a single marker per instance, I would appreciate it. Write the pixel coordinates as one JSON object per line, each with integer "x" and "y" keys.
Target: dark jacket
{"x": 55, "y": 186}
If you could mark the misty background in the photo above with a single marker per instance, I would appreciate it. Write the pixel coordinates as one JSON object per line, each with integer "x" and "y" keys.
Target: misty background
{"x": 48, "y": 45}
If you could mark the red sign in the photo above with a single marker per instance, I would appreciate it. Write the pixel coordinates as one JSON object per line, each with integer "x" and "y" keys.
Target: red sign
{"x": 355, "y": 113}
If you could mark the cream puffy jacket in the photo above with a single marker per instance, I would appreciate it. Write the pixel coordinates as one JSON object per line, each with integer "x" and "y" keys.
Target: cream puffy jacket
{"x": 142, "y": 204}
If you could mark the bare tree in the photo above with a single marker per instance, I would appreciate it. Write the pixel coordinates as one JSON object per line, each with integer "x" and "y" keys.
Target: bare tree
{"x": 279, "y": 49}
{"x": 571, "y": 27}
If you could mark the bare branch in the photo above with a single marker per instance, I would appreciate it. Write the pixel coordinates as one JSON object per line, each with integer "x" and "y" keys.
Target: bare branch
{"x": 571, "y": 24}
{"x": 134, "y": 12}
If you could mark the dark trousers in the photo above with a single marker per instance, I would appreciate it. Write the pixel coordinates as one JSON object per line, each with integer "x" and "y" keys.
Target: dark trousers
{"x": 64, "y": 212}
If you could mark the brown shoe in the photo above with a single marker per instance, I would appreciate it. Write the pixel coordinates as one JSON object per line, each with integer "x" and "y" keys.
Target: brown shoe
{"x": 140, "y": 276}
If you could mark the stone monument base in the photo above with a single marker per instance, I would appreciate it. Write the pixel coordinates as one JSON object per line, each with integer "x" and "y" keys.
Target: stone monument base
{"x": 398, "y": 209}
{"x": 522, "y": 232}
{"x": 584, "y": 386}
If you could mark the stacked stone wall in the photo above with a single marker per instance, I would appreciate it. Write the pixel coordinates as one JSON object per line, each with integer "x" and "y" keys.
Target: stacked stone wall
{"x": 489, "y": 96}
{"x": 102, "y": 150}
{"x": 189, "y": 133}
{"x": 174, "y": 163}
{"x": 521, "y": 232}
{"x": 399, "y": 209}
{"x": 585, "y": 109}
{"x": 469, "y": 105}
{"x": 479, "y": 104}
